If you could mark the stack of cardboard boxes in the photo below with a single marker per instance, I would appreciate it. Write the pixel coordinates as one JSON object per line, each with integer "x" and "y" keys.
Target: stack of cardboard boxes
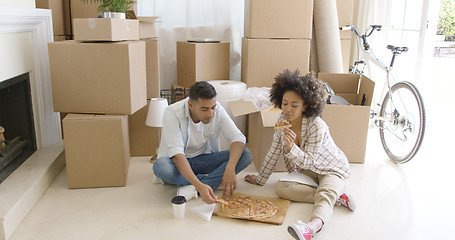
{"x": 102, "y": 85}
{"x": 277, "y": 37}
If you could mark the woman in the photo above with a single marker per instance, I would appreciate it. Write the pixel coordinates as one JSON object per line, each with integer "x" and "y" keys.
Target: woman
{"x": 308, "y": 148}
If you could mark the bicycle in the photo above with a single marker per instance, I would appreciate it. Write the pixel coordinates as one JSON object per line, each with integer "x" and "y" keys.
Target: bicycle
{"x": 401, "y": 114}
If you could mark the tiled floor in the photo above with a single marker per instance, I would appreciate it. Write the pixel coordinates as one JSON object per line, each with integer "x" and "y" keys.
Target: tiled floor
{"x": 409, "y": 201}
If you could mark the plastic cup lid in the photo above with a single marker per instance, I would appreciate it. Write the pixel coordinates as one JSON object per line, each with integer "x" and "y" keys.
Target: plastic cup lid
{"x": 178, "y": 200}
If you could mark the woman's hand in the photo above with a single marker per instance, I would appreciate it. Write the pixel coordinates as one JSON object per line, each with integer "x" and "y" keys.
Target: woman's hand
{"x": 251, "y": 179}
{"x": 289, "y": 138}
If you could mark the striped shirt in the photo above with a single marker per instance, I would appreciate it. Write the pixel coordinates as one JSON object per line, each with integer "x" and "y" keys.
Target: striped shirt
{"x": 318, "y": 152}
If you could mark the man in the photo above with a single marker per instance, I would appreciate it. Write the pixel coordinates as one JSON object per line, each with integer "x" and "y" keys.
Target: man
{"x": 189, "y": 152}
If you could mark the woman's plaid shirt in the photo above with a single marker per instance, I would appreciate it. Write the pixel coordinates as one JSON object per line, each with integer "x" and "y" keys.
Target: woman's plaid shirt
{"x": 318, "y": 152}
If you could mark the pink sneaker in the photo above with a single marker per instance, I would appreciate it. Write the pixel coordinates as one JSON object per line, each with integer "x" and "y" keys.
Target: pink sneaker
{"x": 300, "y": 231}
{"x": 347, "y": 201}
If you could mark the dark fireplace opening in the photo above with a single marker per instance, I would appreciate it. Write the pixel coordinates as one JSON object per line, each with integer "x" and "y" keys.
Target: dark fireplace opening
{"x": 17, "y": 130}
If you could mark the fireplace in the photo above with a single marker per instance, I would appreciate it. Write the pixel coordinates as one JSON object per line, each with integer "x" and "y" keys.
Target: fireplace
{"x": 24, "y": 36}
{"x": 17, "y": 130}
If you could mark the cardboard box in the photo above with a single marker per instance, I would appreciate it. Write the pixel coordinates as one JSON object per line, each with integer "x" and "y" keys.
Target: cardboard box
{"x": 97, "y": 150}
{"x": 67, "y": 18}
{"x": 108, "y": 77}
{"x": 260, "y": 130}
{"x": 58, "y": 23}
{"x": 79, "y": 9}
{"x": 264, "y": 59}
{"x": 152, "y": 54}
{"x": 144, "y": 140}
{"x": 278, "y": 18}
{"x": 146, "y": 25}
{"x": 60, "y": 38}
{"x": 105, "y": 29}
{"x": 346, "y": 53}
{"x": 349, "y": 123}
{"x": 202, "y": 62}
{"x": 345, "y": 10}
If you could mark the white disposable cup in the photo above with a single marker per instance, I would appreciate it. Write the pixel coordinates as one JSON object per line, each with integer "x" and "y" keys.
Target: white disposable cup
{"x": 178, "y": 206}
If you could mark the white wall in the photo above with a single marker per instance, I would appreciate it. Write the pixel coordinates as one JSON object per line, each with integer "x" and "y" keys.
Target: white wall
{"x": 16, "y": 54}
{"x": 15, "y": 48}
{"x": 17, "y": 3}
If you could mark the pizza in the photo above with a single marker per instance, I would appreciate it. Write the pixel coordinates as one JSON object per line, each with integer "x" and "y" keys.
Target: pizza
{"x": 282, "y": 125}
{"x": 238, "y": 202}
{"x": 245, "y": 208}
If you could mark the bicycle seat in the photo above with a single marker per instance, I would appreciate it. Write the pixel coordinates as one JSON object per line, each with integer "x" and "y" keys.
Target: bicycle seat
{"x": 397, "y": 49}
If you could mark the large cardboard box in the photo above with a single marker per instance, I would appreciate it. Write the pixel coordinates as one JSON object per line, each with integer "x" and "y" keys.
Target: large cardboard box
{"x": 105, "y": 29}
{"x": 278, "y": 18}
{"x": 198, "y": 61}
{"x": 152, "y": 54}
{"x": 264, "y": 59}
{"x": 349, "y": 123}
{"x": 144, "y": 140}
{"x": 96, "y": 150}
{"x": 58, "y": 23}
{"x": 345, "y": 10}
{"x": 108, "y": 77}
{"x": 260, "y": 130}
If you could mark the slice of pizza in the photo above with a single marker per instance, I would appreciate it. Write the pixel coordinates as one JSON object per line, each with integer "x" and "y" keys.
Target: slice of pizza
{"x": 282, "y": 125}
{"x": 220, "y": 200}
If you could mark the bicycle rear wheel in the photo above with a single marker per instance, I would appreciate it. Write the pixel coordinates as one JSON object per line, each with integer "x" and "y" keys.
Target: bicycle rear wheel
{"x": 402, "y": 122}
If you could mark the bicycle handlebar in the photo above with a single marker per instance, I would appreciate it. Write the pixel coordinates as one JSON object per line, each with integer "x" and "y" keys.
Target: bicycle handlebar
{"x": 368, "y": 32}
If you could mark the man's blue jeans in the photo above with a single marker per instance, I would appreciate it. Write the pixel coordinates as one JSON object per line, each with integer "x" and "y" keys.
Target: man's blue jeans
{"x": 208, "y": 168}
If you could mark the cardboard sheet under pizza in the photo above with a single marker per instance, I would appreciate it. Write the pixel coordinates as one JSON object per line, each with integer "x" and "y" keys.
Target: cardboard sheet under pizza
{"x": 278, "y": 218}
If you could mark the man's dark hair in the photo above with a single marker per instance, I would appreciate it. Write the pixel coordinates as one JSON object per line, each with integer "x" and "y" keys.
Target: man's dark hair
{"x": 310, "y": 88}
{"x": 202, "y": 90}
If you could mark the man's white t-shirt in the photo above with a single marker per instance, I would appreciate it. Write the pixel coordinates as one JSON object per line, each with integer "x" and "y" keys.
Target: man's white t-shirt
{"x": 197, "y": 143}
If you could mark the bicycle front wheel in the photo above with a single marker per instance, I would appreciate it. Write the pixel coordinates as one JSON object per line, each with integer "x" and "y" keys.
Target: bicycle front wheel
{"x": 402, "y": 122}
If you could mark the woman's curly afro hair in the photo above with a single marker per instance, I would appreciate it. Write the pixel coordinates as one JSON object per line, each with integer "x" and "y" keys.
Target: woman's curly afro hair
{"x": 310, "y": 88}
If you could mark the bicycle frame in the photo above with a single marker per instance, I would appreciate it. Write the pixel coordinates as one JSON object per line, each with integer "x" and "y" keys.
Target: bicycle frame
{"x": 391, "y": 77}
{"x": 394, "y": 111}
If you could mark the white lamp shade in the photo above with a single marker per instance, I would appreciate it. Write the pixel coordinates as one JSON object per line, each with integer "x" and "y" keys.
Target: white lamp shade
{"x": 156, "y": 112}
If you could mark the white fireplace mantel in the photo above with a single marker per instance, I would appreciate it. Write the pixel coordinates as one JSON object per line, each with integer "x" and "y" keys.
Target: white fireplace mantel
{"x": 38, "y": 22}
{"x": 25, "y": 186}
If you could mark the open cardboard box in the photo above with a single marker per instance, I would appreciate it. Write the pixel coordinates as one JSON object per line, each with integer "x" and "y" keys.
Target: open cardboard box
{"x": 260, "y": 130}
{"x": 146, "y": 25}
{"x": 349, "y": 123}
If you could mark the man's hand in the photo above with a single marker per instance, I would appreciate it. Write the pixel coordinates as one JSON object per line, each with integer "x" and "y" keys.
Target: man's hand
{"x": 251, "y": 179}
{"x": 229, "y": 182}
{"x": 206, "y": 193}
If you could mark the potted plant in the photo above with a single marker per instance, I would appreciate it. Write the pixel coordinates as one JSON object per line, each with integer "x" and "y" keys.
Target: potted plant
{"x": 112, "y": 8}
